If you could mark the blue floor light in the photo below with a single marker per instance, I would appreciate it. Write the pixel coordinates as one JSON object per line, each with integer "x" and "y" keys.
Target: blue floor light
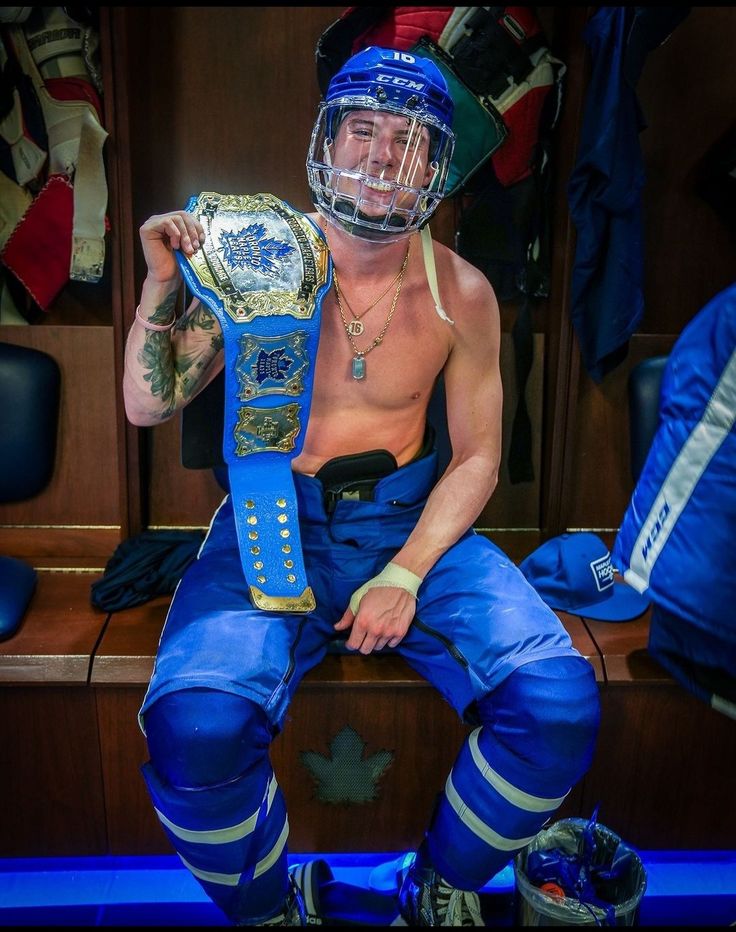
{"x": 684, "y": 888}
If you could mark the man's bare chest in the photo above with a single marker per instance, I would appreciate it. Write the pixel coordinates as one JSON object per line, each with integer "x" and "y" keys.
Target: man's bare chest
{"x": 382, "y": 366}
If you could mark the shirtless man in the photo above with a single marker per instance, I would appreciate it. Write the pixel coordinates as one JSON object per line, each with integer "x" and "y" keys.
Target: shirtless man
{"x": 403, "y": 568}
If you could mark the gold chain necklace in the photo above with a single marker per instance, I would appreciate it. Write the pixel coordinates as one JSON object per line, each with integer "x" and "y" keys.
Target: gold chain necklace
{"x": 355, "y": 327}
{"x": 358, "y": 364}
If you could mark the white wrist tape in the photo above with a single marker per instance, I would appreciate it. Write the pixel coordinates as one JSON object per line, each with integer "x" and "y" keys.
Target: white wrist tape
{"x": 391, "y": 575}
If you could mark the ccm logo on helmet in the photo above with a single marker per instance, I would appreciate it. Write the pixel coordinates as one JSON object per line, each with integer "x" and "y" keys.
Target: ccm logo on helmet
{"x": 401, "y": 82}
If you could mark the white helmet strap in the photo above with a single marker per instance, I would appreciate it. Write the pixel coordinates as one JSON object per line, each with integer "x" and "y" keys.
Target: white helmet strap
{"x": 431, "y": 269}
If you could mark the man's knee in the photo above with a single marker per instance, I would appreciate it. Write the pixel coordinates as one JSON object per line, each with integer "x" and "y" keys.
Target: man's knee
{"x": 546, "y": 715}
{"x": 201, "y": 738}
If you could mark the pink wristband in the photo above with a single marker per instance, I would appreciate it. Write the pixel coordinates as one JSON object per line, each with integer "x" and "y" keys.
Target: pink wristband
{"x": 161, "y": 328}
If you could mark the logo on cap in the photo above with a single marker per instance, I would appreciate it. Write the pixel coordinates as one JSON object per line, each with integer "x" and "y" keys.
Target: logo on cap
{"x": 602, "y": 572}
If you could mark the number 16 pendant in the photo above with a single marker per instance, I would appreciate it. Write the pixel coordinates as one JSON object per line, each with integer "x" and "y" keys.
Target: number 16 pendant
{"x": 358, "y": 367}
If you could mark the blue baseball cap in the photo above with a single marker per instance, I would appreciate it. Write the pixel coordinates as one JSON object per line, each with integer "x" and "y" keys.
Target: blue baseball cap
{"x": 573, "y": 573}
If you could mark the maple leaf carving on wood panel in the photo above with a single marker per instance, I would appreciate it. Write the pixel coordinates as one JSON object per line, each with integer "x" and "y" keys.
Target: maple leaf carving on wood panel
{"x": 347, "y": 776}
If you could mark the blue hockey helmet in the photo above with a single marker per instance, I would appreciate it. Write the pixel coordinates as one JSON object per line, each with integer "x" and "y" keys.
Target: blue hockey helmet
{"x": 382, "y": 144}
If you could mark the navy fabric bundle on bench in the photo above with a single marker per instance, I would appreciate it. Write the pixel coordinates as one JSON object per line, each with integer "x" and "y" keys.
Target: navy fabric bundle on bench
{"x": 145, "y": 566}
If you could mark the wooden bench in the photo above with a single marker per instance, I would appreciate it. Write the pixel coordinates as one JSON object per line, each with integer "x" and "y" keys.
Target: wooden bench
{"x": 49, "y": 735}
{"x": 385, "y": 703}
{"x": 73, "y": 679}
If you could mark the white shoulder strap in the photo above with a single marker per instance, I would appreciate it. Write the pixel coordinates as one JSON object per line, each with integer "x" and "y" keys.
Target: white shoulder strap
{"x": 429, "y": 265}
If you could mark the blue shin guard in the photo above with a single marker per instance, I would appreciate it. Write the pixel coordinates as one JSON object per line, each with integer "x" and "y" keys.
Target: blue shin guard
{"x": 513, "y": 772}
{"x": 217, "y": 798}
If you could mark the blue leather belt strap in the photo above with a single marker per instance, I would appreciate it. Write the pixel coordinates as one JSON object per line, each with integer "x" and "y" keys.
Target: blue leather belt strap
{"x": 263, "y": 269}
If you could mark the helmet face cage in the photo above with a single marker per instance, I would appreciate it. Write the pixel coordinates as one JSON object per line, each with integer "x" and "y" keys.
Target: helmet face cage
{"x": 380, "y": 150}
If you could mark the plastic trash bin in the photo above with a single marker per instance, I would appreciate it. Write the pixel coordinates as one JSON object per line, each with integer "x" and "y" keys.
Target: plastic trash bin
{"x": 594, "y": 878}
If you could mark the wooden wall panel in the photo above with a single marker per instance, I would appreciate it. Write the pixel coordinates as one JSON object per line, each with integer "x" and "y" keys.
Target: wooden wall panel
{"x": 231, "y": 97}
{"x": 601, "y": 480}
{"x": 61, "y": 548}
{"x": 53, "y": 804}
{"x": 132, "y": 825}
{"x": 688, "y": 101}
{"x": 688, "y": 95}
{"x": 384, "y": 719}
{"x": 661, "y": 771}
{"x": 179, "y": 497}
{"x": 517, "y": 505}
{"x": 560, "y": 352}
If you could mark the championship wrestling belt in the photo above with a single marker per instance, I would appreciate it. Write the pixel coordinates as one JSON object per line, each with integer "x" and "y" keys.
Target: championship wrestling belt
{"x": 263, "y": 269}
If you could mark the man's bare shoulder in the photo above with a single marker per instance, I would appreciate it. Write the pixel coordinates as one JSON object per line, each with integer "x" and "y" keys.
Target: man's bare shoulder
{"x": 467, "y": 288}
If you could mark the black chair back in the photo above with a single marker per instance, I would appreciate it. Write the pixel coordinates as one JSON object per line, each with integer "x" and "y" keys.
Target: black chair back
{"x": 644, "y": 384}
{"x": 30, "y": 384}
{"x": 30, "y": 388}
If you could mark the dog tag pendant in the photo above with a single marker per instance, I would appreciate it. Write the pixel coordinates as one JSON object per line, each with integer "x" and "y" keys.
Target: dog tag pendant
{"x": 358, "y": 367}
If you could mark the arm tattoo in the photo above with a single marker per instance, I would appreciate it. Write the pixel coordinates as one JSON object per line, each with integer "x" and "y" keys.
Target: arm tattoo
{"x": 200, "y": 318}
{"x": 162, "y": 314}
{"x": 165, "y": 370}
{"x": 157, "y": 357}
